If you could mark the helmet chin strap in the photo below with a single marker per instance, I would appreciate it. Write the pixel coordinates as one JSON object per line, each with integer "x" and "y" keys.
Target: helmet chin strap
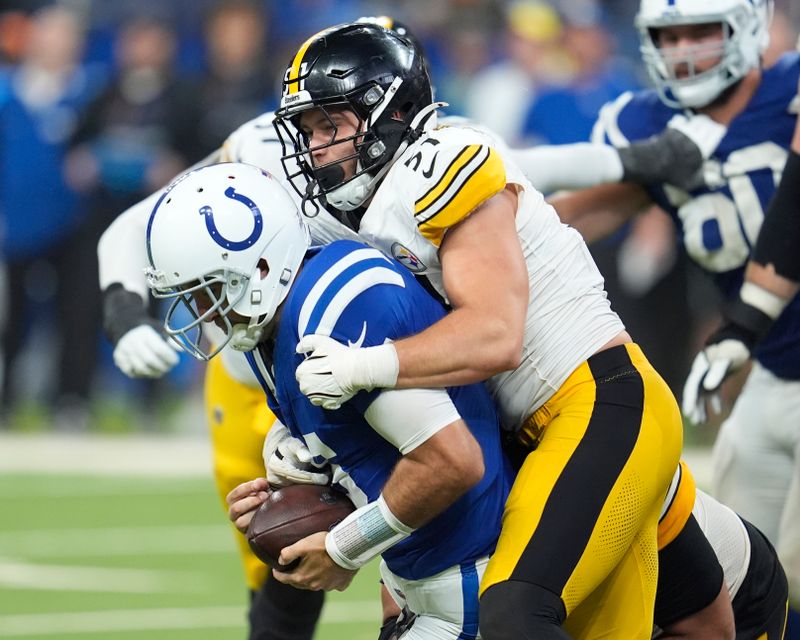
{"x": 246, "y": 337}
{"x": 353, "y": 193}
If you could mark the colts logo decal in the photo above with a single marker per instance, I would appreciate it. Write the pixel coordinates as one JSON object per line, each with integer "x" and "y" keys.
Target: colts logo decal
{"x": 234, "y": 245}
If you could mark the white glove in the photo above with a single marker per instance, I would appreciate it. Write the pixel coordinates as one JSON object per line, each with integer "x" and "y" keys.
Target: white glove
{"x": 710, "y": 367}
{"x": 332, "y": 373}
{"x": 144, "y": 353}
{"x": 288, "y": 460}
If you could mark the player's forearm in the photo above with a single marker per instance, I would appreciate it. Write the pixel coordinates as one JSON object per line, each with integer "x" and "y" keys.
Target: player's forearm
{"x": 427, "y": 480}
{"x": 599, "y": 211}
{"x": 486, "y": 280}
{"x": 570, "y": 166}
{"x": 775, "y": 263}
{"x": 464, "y": 347}
{"x": 766, "y": 278}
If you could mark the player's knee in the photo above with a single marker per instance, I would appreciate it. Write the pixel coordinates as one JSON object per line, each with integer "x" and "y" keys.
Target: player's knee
{"x": 514, "y": 610}
{"x": 279, "y": 611}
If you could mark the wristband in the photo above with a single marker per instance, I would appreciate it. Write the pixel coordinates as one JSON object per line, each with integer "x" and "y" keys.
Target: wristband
{"x": 381, "y": 366}
{"x": 763, "y": 300}
{"x": 364, "y": 534}
{"x": 751, "y": 322}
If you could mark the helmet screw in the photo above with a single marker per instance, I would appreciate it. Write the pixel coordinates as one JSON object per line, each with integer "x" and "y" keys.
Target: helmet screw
{"x": 372, "y": 96}
{"x": 376, "y": 150}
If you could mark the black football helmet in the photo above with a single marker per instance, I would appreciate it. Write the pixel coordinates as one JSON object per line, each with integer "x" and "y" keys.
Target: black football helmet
{"x": 365, "y": 68}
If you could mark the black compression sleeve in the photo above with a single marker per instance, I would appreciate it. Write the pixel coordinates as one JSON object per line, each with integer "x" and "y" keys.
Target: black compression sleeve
{"x": 122, "y": 311}
{"x": 779, "y": 240}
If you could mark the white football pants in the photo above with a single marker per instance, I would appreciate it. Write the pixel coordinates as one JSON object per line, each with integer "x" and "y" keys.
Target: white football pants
{"x": 446, "y": 604}
{"x": 756, "y": 464}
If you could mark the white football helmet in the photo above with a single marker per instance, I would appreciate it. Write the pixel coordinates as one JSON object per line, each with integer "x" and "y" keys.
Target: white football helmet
{"x": 745, "y": 26}
{"x": 224, "y": 238}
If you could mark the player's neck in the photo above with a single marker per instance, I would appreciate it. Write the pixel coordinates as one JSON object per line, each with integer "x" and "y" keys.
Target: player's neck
{"x": 735, "y": 100}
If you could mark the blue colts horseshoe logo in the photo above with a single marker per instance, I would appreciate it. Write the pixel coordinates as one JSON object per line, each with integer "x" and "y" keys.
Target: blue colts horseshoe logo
{"x": 234, "y": 245}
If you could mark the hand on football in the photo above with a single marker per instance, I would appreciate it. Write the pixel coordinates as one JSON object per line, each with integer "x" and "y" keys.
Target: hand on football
{"x": 316, "y": 571}
{"x": 143, "y": 352}
{"x": 289, "y": 461}
{"x": 244, "y": 500}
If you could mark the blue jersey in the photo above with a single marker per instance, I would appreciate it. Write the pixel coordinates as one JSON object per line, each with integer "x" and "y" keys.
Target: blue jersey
{"x": 358, "y": 296}
{"x": 719, "y": 225}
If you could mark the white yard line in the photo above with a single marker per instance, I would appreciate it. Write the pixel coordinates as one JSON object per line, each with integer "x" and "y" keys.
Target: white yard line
{"x": 144, "y": 455}
{"x": 88, "y": 622}
{"x": 45, "y": 577}
{"x": 117, "y": 541}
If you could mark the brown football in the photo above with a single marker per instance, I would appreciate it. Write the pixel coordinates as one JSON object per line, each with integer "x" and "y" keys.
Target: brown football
{"x": 292, "y": 513}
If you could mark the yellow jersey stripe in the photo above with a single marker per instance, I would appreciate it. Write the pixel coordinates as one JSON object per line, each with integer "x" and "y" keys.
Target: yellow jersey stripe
{"x": 679, "y": 510}
{"x": 483, "y": 178}
{"x": 450, "y": 174}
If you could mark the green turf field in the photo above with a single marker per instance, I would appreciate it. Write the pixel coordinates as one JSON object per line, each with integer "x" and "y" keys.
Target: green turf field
{"x": 127, "y": 558}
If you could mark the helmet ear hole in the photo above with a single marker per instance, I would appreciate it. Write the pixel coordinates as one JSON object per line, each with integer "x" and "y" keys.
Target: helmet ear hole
{"x": 263, "y": 268}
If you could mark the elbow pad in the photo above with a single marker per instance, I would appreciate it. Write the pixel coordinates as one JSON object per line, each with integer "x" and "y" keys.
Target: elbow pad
{"x": 122, "y": 311}
{"x": 779, "y": 240}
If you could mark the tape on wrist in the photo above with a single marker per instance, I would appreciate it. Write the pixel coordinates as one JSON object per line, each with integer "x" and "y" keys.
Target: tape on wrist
{"x": 763, "y": 300}
{"x": 365, "y": 534}
{"x": 381, "y": 366}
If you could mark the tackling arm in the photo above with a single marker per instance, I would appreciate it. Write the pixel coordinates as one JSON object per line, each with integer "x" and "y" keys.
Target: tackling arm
{"x": 483, "y": 334}
{"x": 599, "y": 211}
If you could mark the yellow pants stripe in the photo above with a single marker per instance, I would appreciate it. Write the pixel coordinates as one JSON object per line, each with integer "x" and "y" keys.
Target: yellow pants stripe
{"x": 582, "y": 515}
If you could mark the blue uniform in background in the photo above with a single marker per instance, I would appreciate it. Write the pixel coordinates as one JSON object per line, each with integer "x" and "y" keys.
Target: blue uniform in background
{"x": 755, "y": 458}
{"x": 719, "y": 226}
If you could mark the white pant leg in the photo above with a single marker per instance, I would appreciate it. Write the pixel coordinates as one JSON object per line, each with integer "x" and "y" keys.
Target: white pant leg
{"x": 446, "y": 604}
{"x": 755, "y": 463}
{"x": 788, "y": 546}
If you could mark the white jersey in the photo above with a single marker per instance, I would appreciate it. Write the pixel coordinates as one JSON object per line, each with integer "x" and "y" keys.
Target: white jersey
{"x": 122, "y": 252}
{"x": 728, "y": 537}
{"x": 435, "y": 184}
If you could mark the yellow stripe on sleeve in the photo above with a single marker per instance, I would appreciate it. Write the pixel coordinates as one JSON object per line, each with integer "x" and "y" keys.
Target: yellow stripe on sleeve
{"x": 679, "y": 511}
{"x": 474, "y": 176}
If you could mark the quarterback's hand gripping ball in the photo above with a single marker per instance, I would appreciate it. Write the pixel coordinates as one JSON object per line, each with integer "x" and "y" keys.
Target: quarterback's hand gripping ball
{"x": 291, "y": 514}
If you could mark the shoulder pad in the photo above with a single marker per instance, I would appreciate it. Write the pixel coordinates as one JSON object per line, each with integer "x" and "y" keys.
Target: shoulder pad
{"x": 453, "y": 170}
{"x": 258, "y": 130}
{"x": 632, "y": 116}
